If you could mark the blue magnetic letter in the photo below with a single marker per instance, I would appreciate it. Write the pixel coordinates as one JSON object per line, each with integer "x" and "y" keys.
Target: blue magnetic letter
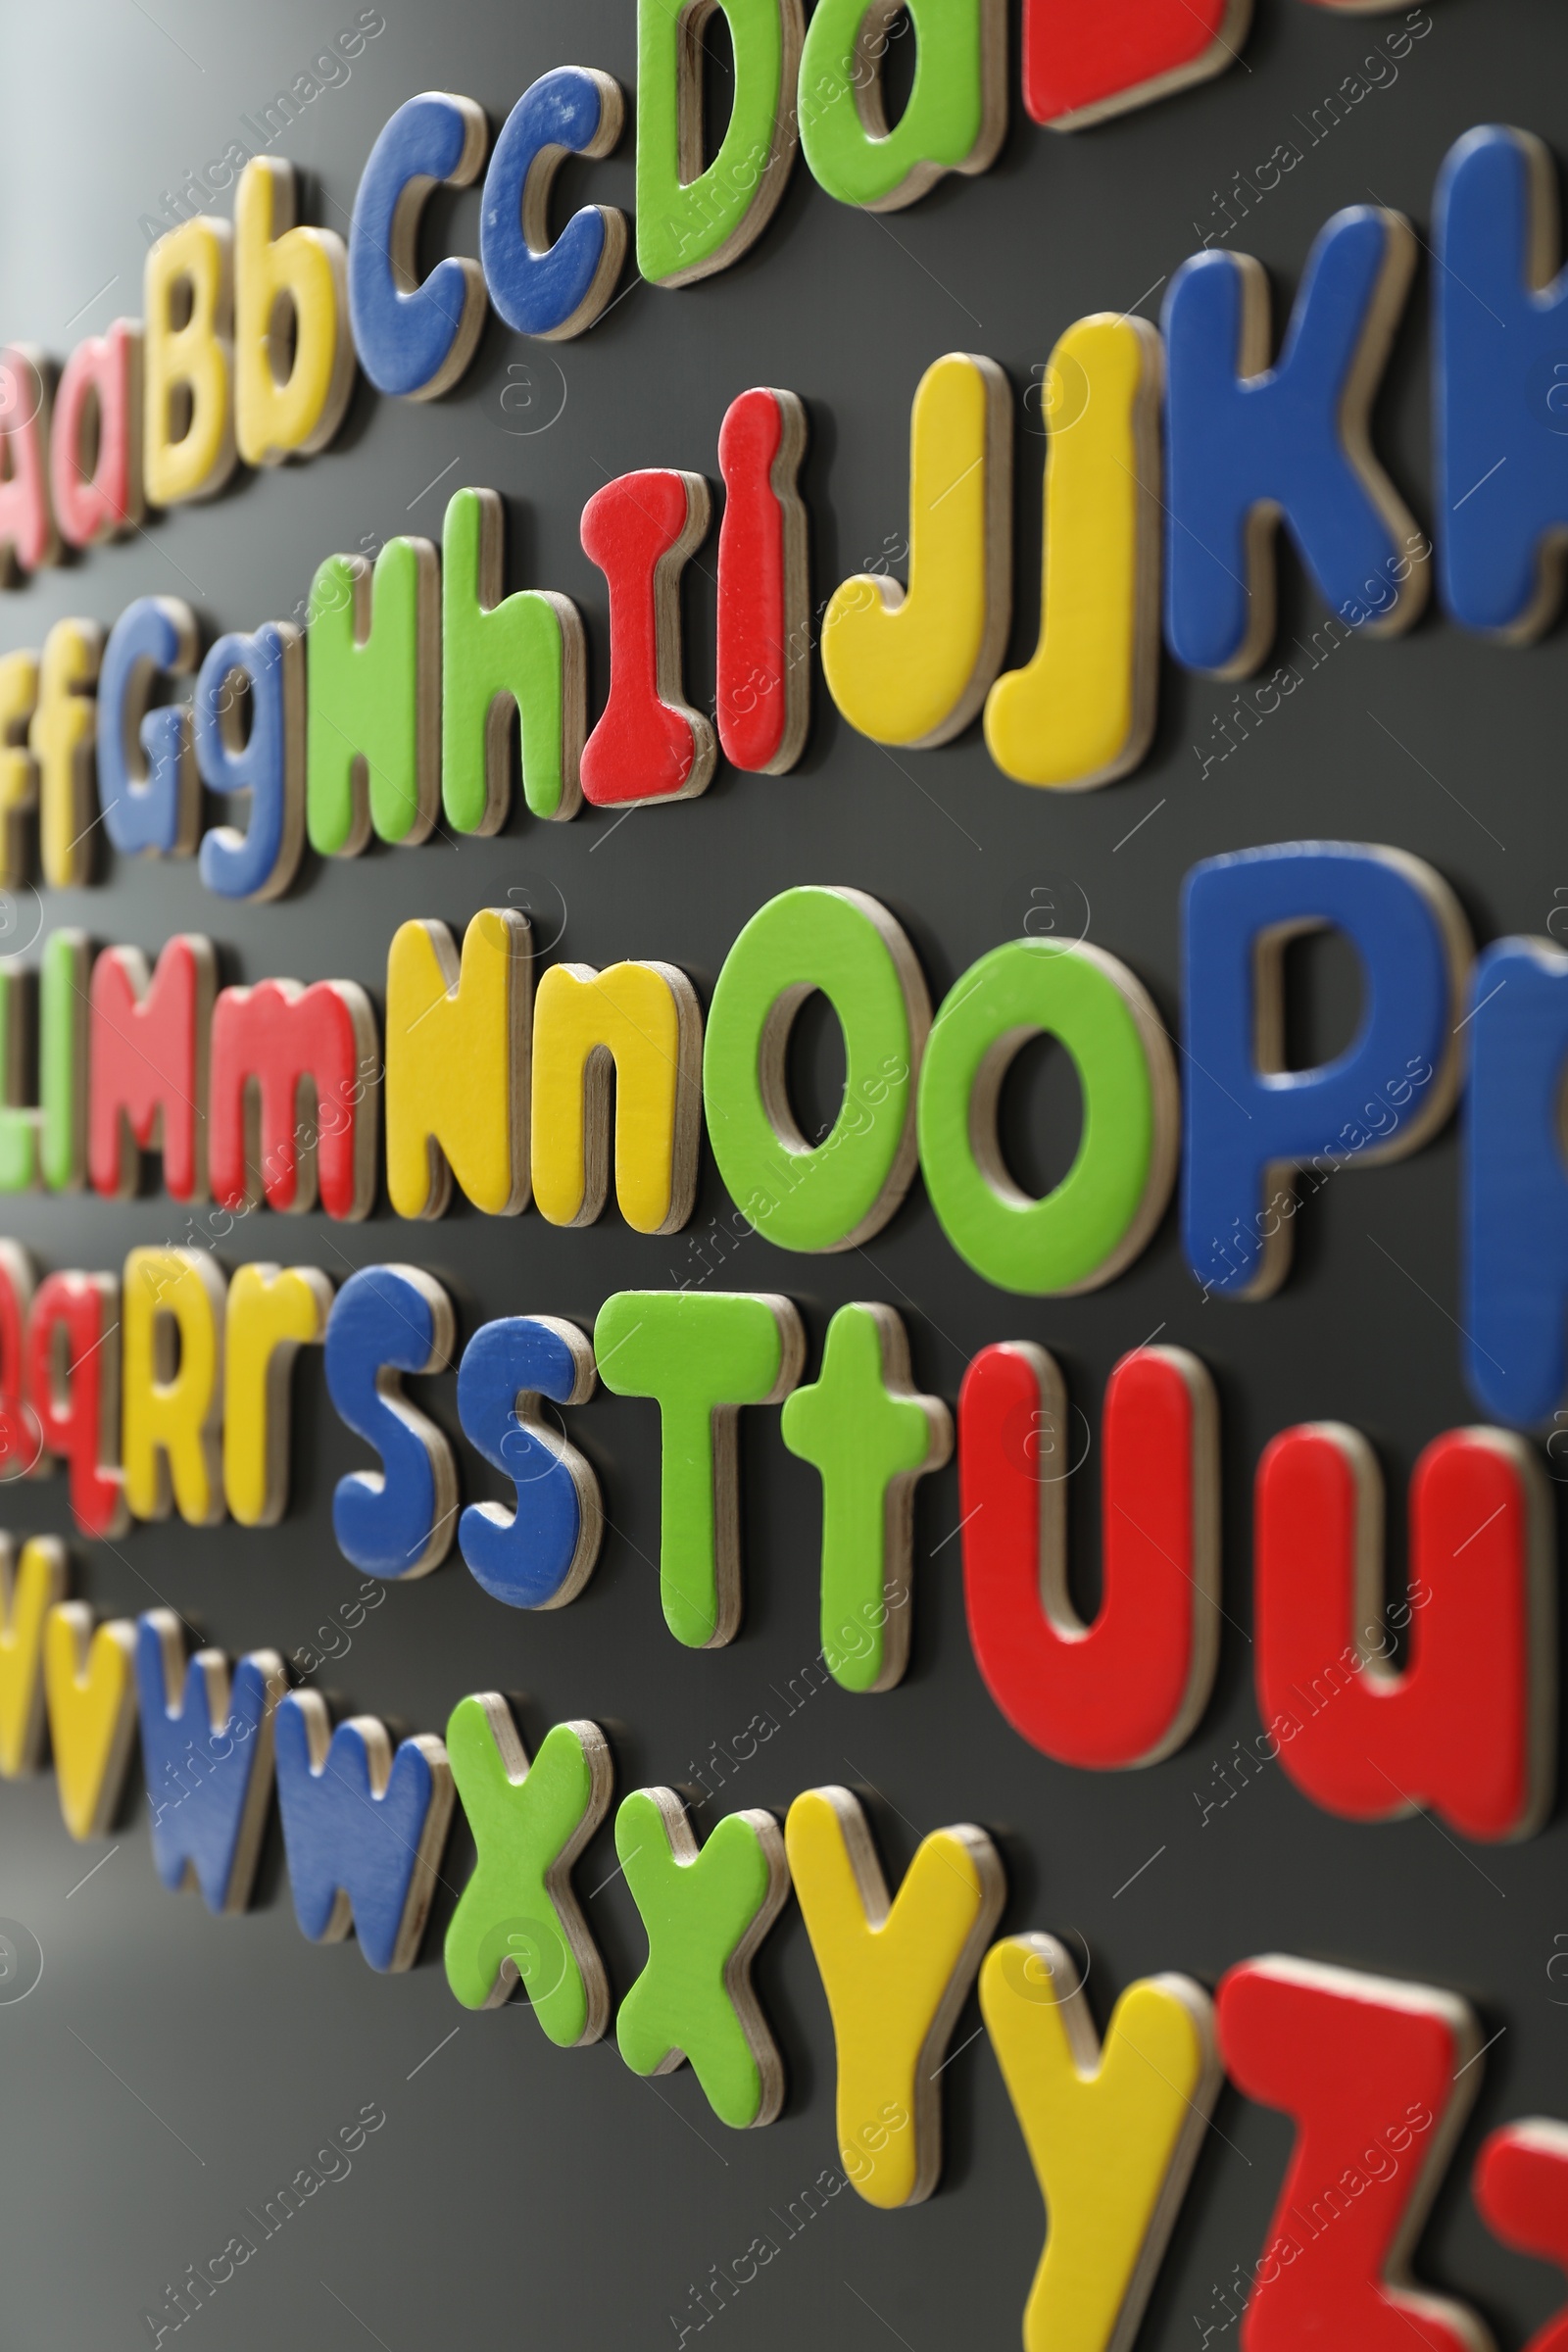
{"x": 556, "y": 290}
{"x": 208, "y": 1782}
{"x": 388, "y": 1319}
{"x": 1291, "y": 438}
{"x": 269, "y": 765}
{"x": 413, "y": 338}
{"x": 1515, "y": 1223}
{"x": 540, "y": 1555}
{"x": 156, "y": 811}
{"x": 1248, "y": 1128}
{"x": 362, "y": 1827}
{"x": 1500, "y": 381}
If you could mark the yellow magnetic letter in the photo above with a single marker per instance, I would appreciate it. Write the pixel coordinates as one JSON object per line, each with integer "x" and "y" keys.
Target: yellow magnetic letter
{"x": 187, "y": 370}
{"x": 457, "y": 1064}
{"x": 1082, "y": 712}
{"x": 91, "y": 1686}
{"x": 913, "y": 668}
{"x": 172, "y": 1394}
{"x": 286, "y": 408}
{"x": 894, "y": 1979}
{"x": 25, "y": 1600}
{"x": 63, "y": 738}
{"x": 1113, "y": 2133}
{"x": 272, "y": 1310}
{"x": 19, "y": 776}
{"x": 645, "y": 1019}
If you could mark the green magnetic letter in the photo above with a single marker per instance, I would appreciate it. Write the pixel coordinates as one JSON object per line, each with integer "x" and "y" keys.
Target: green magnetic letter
{"x": 48, "y": 1145}
{"x": 1105, "y": 1208}
{"x": 497, "y": 656}
{"x": 871, "y": 1437}
{"x": 705, "y": 1914}
{"x": 691, "y": 222}
{"x": 838, "y": 1193}
{"x": 957, "y": 110}
{"x": 700, "y": 1354}
{"x": 373, "y": 736}
{"x": 518, "y": 1918}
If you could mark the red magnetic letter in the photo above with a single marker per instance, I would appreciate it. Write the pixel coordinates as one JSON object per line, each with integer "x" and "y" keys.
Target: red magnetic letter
{"x": 1462, "y": 1729}
{"x": 649, "y": 745}
{"x": 106, "y": 370}
{"x": 149, "y": 1065}
{"x": 763, "y": 671}
{"x": 1520, "y": 2187}
{"x": 274, "y": 1038}
{"x": 1375, "y": 2075}
{"x": 28, "y": 535}
{"x": 73, "y": 1380}
{"x": 1128, "y": 1689}
{"x": 1086, "y": 59}
{"x": 21, "y": 1445}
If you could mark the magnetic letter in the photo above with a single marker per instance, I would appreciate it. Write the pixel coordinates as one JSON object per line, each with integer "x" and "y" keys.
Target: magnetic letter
{"x": 146, "y": 775}
{"x": 1251, "y": 1123}
{"x": 1246, "y": 443}
{"x": 957, "y": 111}
{"x": 47, "y": 1144}
{"x": 90, "y": 1689}
{"x": 395, "y": 1522}
{"x": 522, "y": 654}
{"x": 644, "y": 1020}
{"x": 838, "y": 1193}
{"x": 1082, "y": 711}
{"x": 539, "y": 1554}
{"x": 29, "y": 1588}
{"x": 249, "y": 725}
{"x": 373, "y": 657}
{"x": 290, "y": 387}
{"x": 1112, "y": 2130}
{"x": 207, "y": 1754}
{"x": 273, "y": 1312}
{"x": 1348, "y": 2058}
{"x": 1520, "y": 2187}
{"x": 362, "y": 1827}
{"x": 457, "y": 1064}
{"x": 148, "y": 1064}
{"x": 61, "y": 740}
{"x": 270, "y": 1044}
{"x": 172, "y": 1371}
{"x": 701, "y": 1355}
{"x": 1103, "y": 1213}
{"x": 517, "y": 1920}
{"x": 415, "y": 338}
{"x": 551, "y": 290}
{"x": 914, "y": 666}
{"x": 1464, "y": 1729}
{"x": 1130, "y": 1688}
{"x": 28, "y": 534}
{"x": 691, "y": 222}
{"x": 704, "y": 1913}
{"x": 107, "y": 502}
{"x": 1512, "y": 1231}
{"x": 1081, "y": 65}
{"x": 73, "y": 1382}
{"x": 895, "y": 1977}
{"x": 1499, "y": 328}
{"x": 763, "y": 660}
{"x": 649, "y": 745}
{"x": 870, "y": 1436}
{"x": 188, "y": 413}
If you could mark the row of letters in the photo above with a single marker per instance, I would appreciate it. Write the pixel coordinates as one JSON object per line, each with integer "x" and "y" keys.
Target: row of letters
{"x": 170, "y": 1390}
{"x": 1376, "y": 2075}
{"x": 272, "y": 1091}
